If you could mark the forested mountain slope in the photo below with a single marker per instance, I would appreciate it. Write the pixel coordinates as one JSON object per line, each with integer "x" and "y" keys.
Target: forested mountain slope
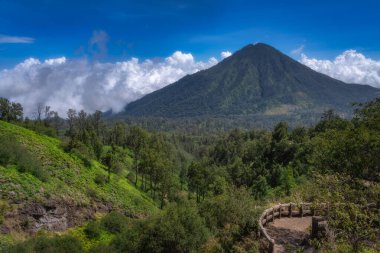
{"x": 256, "y": 80}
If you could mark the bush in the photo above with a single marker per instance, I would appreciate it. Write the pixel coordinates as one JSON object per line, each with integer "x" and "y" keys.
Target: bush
{"x": 114, "y": 222}
{"x": 93, "y": 230}
{"x": 177, "y": 229}
{"x": 100, "y": 179}
{"x": 43, "y": 244}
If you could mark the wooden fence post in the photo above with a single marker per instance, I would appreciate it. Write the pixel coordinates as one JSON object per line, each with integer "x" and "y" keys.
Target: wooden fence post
{"x": 271, "y": 247}
{"x": 290, "y": 210}
{"x": 314, "y": 227}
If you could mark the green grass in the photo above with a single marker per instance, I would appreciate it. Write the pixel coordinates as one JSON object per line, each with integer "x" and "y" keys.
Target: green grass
{"x": 88, "y": 243}
{"x": 68, "y": 177}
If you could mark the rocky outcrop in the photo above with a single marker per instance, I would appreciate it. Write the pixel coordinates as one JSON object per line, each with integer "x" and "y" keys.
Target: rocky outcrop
{"x": 51, "y": 215}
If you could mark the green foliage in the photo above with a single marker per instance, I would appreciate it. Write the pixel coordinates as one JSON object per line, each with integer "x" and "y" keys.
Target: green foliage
{"x": 287, "y": 181}
{"x": 100, "y": 179}
{"x": 5, "y": 243}
{"x": 44, "y": 128}
{"x": 231, "y": 215}
{"x": 93, "y": 230}
{"x": 10, "y": 111}
{"x": 351, "y": 224}
{"x": 232, "y": 175}
{"x": 43, "y": 244}
{"x": 353, "y": 151}
{"x": 354, "y": 224}
{"x": 68, "y": 176}
{"x": 201, "y": 177}
{"x": 368, "y": 114}
{"x": 236, "y": 206}
{"x": 260, "y": 188}
{"x": 178, "y": 229}
{"x": 330, "y": 120}
{"x": 114, "y": 222}
{"x": 14, "y": 153}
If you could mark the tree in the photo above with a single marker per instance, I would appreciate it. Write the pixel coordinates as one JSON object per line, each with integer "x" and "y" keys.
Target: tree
{"x": 260, "y": 188}
{"x": 368, "y": 114}
{"x": 280, "y": 132}
{"x": 108, "y": 160}
{"x": 179, "y": 229}
{"x": 10, "y": 111}
{"x": 137, "y": 139}
{"x": 71, "y": 118}
{"x": 353, "y": 223}
{"x": 40, "y": 108}
{"x": 16, "y": 112}
{"x": 201, "y": 176}
{"x": 118, "y": 134}
{"x": 287, "y": 181}
{"x": 331, "y": 120}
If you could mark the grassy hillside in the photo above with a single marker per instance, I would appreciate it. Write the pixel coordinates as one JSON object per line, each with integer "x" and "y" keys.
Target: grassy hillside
{"x": 67, "y": 184}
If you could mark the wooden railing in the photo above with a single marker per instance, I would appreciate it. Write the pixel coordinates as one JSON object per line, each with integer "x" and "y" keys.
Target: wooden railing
{"x": 299, "y": 210}
{"x": 283, "y": 210}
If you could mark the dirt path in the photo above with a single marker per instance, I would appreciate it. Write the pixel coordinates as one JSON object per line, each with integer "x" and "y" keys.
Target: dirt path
{"x": 289, "y": 234}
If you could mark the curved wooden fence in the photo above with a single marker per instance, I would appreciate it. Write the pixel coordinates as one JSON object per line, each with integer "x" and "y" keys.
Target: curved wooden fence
{"x": 283, "y": 210}
{"x": 298, "y": 210}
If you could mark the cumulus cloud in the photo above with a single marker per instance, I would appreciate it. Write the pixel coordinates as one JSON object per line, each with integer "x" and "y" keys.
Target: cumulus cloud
{"x": 350, "y": 67}
{"x": 7, "y": 39}
{"x": 225, "y": 54}
{"x": 82, "y": 84}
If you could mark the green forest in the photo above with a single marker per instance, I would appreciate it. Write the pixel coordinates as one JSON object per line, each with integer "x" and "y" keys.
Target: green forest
{"x": 126, "y": 188}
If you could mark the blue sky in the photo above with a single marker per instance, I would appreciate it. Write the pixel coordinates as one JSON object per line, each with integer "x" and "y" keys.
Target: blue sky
{"x": 147, "y": 29}
{"x": 82, "y": 54}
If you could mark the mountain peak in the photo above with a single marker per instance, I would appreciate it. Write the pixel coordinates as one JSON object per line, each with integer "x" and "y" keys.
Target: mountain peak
{"x": 258, "y": 46}
{"x": 256, "y": 80}
{"x": 259, "y": 52}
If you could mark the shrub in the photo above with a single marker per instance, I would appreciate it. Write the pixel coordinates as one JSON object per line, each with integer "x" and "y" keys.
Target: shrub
{"x": 114, "y": 222}
{"x": 43, "y": 244}
{"x": 93, "y": 230}
{"x": 100, "y": 179}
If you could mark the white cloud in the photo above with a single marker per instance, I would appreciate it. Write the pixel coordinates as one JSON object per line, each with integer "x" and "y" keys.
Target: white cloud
{"x": 81, "y": 84}
{"x": 225, "y": 54}
{"x": 298, "y": 50}
{"x": 350, "y": 67}
{"x": 7, "y": 39}
{"x": 55, "y": 61}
